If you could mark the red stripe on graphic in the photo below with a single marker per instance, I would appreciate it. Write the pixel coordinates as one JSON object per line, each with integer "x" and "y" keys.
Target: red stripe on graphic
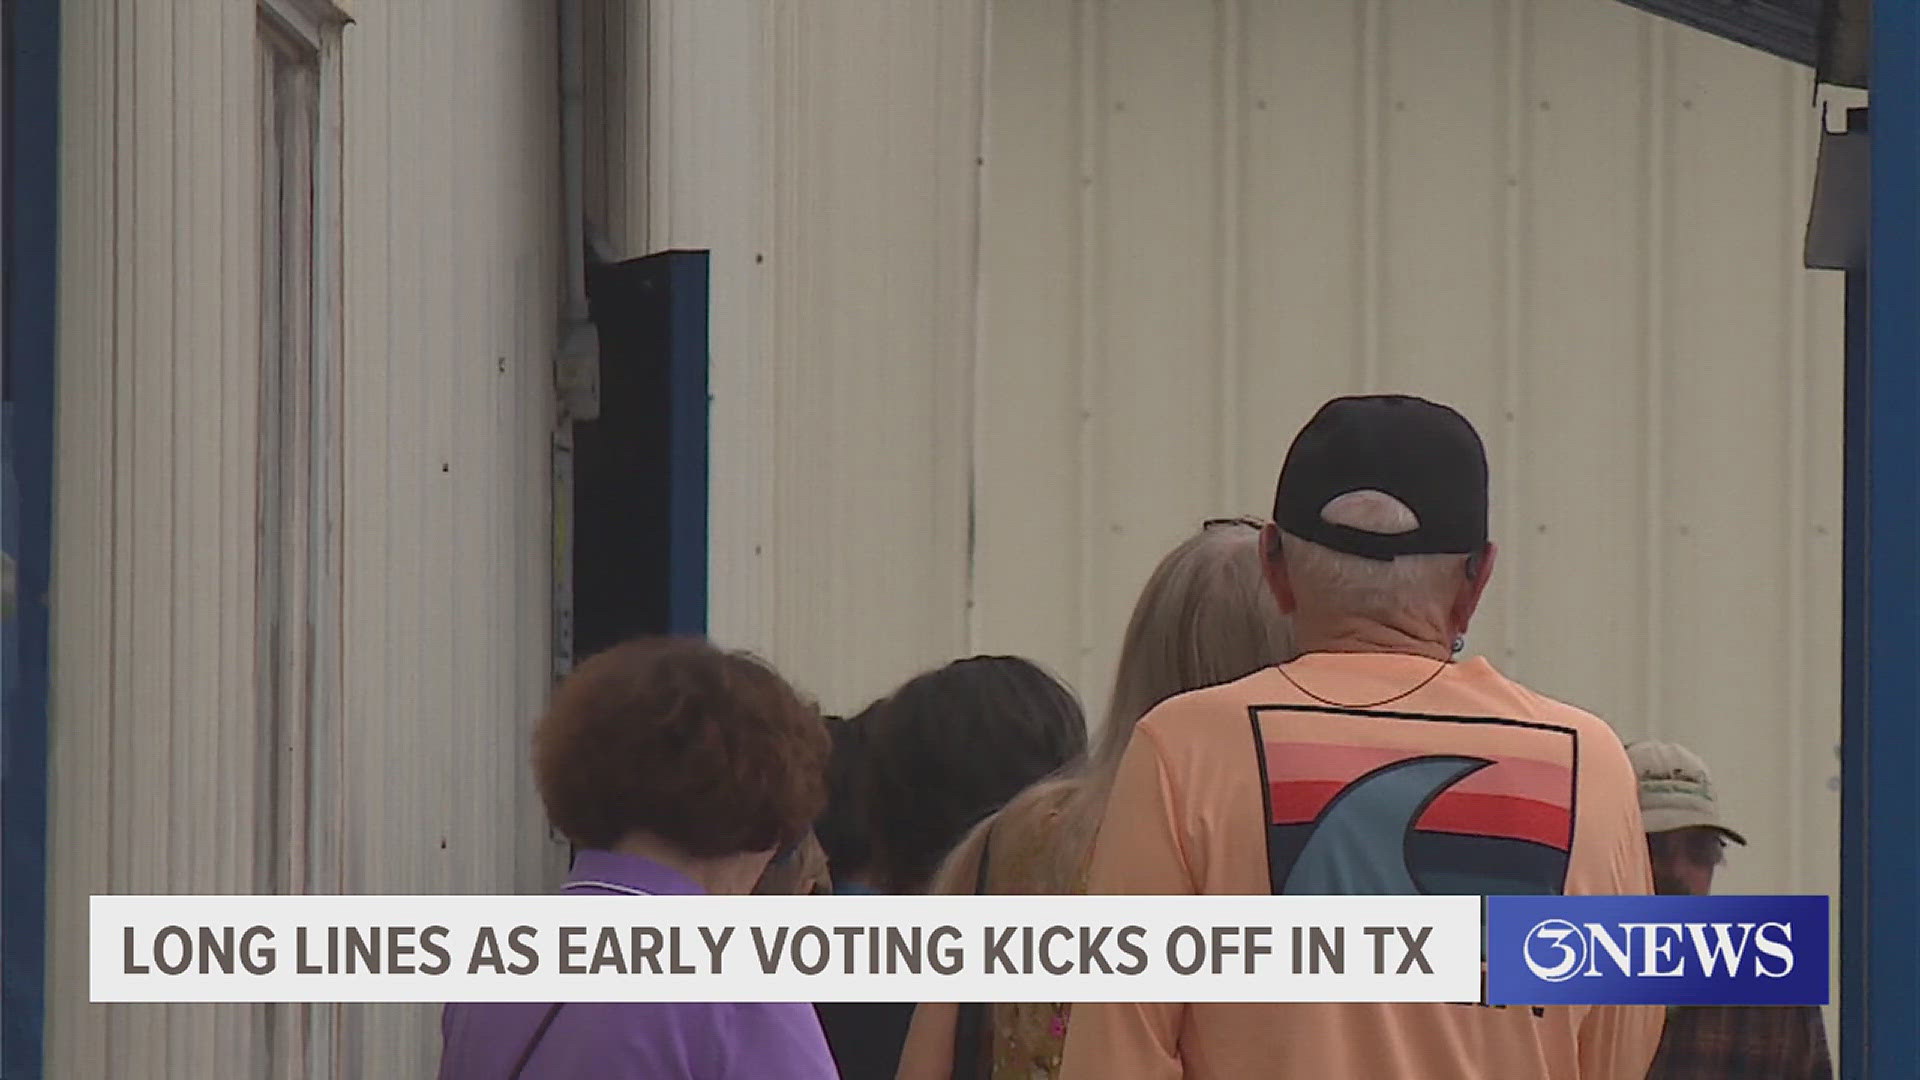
{"x": 1499, "y": 815}
{"x": 1300, "y": 802}
{"x": 1295, "y": 802}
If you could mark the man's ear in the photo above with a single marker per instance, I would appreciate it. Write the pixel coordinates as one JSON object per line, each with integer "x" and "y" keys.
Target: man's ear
{"x": 1479, "y": 572}
{"x": 1274, "y": 568}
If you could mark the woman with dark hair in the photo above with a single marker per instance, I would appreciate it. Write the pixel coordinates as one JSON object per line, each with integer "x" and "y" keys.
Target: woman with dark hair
{"x": 843, "y": 830}
{"x": 948, "y": 749}
{"x": 951, "y": 747}
{"x": 677, "y": 769}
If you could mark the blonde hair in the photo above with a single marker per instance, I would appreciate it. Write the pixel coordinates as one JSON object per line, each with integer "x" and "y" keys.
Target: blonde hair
{"x": 1204, "y": 618}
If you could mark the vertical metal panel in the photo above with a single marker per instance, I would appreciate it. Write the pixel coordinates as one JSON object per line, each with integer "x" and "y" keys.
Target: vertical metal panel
{"x": 453, "y": 261}
{"x": 1587, "y": 312}
{"x": 616, "y": 122}
{"x": 1740, "y": 656}
{"x": 450, "y": 276}
{"x": 196, "y": 554}
{"x": 1306, "y": 101}
{"x": 145, "y": 800}
{"x": 1822, "y": 412}
{"x": 79, "y": 1042}
{"x": 1027, "y": 556}
{"x": 145, "y": 589}
{"x": 602, "y": 98}
{"x": 1573, "y": 221}
{"x": 1155, "y": 380}
{"x": 1441, "y": 309}
{"x": 825, "y": 155}
{"x": 874, "y": 364}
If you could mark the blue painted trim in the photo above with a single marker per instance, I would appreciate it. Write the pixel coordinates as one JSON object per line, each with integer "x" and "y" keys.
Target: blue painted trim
{"x": 688, "y": 445}
{"x": 1890, "y": 707}
{"x": 32, "y": 33}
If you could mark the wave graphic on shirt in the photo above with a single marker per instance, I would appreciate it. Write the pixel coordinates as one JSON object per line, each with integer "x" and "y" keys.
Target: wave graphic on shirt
{"x": 1358, "y": 846}
{"x": 1363, "y": 820}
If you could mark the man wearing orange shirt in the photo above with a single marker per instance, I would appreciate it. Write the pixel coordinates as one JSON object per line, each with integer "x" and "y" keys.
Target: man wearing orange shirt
{"x": 1375, "y": 764}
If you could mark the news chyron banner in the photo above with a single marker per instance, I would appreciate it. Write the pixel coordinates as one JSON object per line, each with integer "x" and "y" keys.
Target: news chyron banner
{"x": 1538, "y": 951}
{"x": 784, "y": 948}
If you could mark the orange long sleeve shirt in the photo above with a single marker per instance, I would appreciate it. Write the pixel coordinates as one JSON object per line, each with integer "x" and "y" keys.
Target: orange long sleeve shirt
{"x": 1469, "y": 784}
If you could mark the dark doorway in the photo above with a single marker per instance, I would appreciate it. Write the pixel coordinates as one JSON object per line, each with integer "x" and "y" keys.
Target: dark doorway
{"x": 640, "y": 469}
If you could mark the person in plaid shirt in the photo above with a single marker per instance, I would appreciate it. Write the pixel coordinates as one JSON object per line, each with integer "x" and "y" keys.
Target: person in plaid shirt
{"x": 1687, "y": 842}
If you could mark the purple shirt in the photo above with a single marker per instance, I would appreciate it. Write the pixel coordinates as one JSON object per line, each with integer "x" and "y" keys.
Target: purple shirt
{"x": 629, "y": 1041}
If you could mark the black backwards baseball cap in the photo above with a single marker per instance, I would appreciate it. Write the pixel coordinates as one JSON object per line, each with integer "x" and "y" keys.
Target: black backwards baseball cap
{"x": 1424, "y": 454}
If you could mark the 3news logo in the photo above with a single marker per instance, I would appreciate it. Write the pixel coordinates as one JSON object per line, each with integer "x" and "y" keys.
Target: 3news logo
{"x": 1657, "y": 950}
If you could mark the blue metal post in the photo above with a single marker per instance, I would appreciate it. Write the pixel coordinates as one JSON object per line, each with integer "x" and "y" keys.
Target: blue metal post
{"x": 688, "y": 450}
{"x": 1882, "y": 852}
{"x": 32, "y": 32}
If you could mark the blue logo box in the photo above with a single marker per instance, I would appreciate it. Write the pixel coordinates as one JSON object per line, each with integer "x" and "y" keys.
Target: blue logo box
{"x": 1657, "y": 950}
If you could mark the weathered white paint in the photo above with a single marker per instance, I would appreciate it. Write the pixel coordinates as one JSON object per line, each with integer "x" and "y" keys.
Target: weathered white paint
{"x": 450, "y": 229}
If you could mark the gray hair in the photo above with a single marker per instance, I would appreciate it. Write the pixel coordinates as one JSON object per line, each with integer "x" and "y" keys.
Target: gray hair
{"x": 1375, "y": 588}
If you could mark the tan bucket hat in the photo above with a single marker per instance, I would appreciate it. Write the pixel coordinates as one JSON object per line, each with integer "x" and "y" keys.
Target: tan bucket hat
{"x": 1676, "y": 791}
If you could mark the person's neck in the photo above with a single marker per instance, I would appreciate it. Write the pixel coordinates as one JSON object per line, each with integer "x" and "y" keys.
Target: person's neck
{"x": 731, "y": 875}
{"x": 1334, "y": 634}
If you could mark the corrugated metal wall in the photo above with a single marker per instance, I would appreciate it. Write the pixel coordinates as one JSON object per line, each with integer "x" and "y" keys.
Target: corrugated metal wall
{"x": 451, "y": 222}
{"x": 827, "y": 154}
{"x": 454, "y": 289}
{"x": 1579, "y": 224}
{"x": 877, "y": 120}
{"x": 986, "y": 415}
{"x": 154, "y": 786}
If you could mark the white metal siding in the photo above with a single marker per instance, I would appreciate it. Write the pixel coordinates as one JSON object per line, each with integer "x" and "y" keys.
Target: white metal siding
{"x": 877, "y": 110}
{"x": 1198, "y": 221}
{"x": 826, "y": 153}
{"x": 615, "y": 71}
{"x": 153, "y": 786}
{"x": 1579, "y": 224}
{"x": 451, "y": 222}
{"x": 453, "y": 292}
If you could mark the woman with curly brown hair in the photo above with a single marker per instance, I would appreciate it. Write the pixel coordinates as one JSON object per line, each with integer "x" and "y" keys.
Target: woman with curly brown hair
{"x": 677, "y": 768}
